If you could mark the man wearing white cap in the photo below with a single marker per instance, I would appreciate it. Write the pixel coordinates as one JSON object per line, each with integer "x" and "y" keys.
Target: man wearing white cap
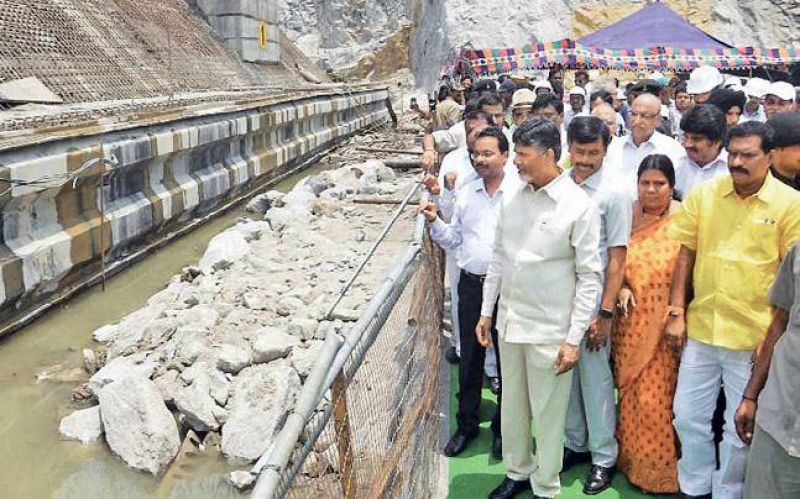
{"x": 780, "y": 98}
{"x": 702, "y": 81}
{"x": 542, "y": 87}
{"x": 521, "y": 107}
{"x": 577, "y": 103}
{"x": 755, "y": 89}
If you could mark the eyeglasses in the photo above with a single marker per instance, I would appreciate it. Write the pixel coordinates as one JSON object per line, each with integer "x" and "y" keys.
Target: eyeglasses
{"x": 644, "y": 116}
{"x": 482, "y": 154}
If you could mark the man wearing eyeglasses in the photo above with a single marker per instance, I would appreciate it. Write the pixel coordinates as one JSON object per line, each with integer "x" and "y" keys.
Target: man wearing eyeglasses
{"x": 626, "y": 153}
{"x": 471, "y": 233}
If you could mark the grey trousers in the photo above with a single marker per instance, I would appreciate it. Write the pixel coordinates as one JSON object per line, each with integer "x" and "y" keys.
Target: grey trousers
{"x": 771, "y": 472}
{"x": 592, "y": 414}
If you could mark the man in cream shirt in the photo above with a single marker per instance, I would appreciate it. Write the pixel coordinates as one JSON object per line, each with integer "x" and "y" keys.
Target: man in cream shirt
{"x": 545, "y": 268}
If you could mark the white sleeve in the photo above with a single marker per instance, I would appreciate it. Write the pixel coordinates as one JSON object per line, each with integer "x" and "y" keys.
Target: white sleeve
{"x": 585, "y": 240}
{"x": 491, "y": 284}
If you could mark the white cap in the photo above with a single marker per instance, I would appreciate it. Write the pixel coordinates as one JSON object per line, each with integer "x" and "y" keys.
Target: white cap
{"x": 576, "y": 90}
{"x": 756, "y": 87}
{"x": 733, "y": 82}
{"x": 542, "y": 84}
{"x": 703, "y": 79}
{"x": 782, "y": 90}
{"x": 523, "y": 97}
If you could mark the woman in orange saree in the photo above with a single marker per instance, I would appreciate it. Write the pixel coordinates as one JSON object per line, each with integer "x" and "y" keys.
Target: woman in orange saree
{"x": 645, "y": 368}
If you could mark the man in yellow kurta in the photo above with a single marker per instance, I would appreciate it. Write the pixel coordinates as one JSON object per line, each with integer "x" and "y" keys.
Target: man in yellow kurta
{"x": 734, "y": 232}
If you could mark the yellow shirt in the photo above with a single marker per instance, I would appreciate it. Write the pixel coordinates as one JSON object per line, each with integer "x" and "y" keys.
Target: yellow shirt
{"x": 740, "y": 244}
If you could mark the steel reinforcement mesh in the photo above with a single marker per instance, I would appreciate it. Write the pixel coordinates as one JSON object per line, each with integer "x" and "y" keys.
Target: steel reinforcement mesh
{"x": 382, "y": 430}
{"x": 100, "y": 50}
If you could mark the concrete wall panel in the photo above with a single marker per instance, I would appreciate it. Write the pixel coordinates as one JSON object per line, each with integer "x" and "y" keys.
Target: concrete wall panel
{"x": 164, "y": 176}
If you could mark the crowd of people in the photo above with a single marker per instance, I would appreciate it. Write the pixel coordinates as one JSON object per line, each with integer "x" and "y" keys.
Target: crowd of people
{"x": 623, "y": 265}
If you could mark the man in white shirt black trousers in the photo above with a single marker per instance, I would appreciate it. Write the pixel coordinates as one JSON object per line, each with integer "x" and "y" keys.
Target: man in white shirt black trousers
{"x": 471, "y": 232}
{"x": 545, "y": 267}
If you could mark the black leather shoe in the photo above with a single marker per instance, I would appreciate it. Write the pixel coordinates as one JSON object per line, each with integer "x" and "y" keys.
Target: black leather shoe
{"x": 458, "y": 442}
{"x": 571, "y": 458}
{"x": 497, "y": 448}
{"x": 599, "y": 479}
{"x": 452, "y": 356}
{"x": 681, "y": 495}
{"x": 509, "y": 488}
{"x": 494, "y": 385}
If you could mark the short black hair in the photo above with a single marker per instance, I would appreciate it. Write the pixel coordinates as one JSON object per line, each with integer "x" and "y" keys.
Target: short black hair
{"x": 444, "y": 91}
{"x": 483, "y": 85}
{"x": 726, "y": 98}
{"x": 472, "y": 105}
{"x": 479, "y": 115}
{"x": 602, "y": 94}
{"x": 680, "y": 88}
{"x": 548, "y": 100}
{"x": 660, "y": 162}
{"x": 497, "y": 133}
{"x": 540, "y": 133}
{"x": 706, "y": 120}
{"x": 586, "y": 129}
{"x": 754, "y": 129}
{"x": 490, "y": 99}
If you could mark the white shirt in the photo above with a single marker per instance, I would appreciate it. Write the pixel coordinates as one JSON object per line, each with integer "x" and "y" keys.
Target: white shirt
{"x": 759, "y": 115}
{"x": 457, "y": 161}
{"x": 569, "y": 114}
{"x": 624, "y": 156}
{"x": 688, "y": 173}
{"x": 545, "y": 267}
{"x": 450, "y": 139}
{"x": 473, "y": 225}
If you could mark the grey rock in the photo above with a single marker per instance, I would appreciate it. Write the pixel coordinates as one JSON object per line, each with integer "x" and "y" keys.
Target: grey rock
{"x": 253, "y": 230}
{"x": 271, "y": 344}
{"x": 316, "y": 184}
{"x": 201, "y": 316}
{"x": 254, "y": 301}
{"x": 280, "y": 218}
{"x": 262, "y": 395}
{"x": 259, "y": 204}
{"x": 325, "y": 206}
{"x": 303, "y": 359}
{"x": 233, "y": 358}
{"x": 134, "y": 366}
{"x": 241, "y": 479}
{"x": 288, "y": 305}
{"x": 197, "y": 405}
{"x": 106, "y": 333}
{"x": 223, "y": 250}
{"x": 385, "y": 174}
{"x": 83, "y": 425}
{"x": 302, "y": 328}
{"x": 139, "y": 428}
{"x": 168, "y": 385}
{"x": 275, "y": 198}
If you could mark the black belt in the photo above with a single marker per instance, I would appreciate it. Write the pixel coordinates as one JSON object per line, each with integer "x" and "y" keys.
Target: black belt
{"x": 476, "y": 278}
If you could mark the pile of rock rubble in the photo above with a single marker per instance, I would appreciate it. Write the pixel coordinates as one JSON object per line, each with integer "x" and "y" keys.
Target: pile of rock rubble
{"x": 224, "y": 349}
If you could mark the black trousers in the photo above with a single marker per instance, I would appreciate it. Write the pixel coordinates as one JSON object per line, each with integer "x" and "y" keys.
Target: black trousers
{"x": 470, "y": 369}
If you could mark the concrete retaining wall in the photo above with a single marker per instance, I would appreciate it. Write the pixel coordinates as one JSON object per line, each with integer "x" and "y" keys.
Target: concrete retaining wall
{"x": 248, "y": 26}
{"x": 165, "y": 176}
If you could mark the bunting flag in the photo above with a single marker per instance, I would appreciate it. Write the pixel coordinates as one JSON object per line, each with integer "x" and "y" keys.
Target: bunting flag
{"x": 571, "y": 54}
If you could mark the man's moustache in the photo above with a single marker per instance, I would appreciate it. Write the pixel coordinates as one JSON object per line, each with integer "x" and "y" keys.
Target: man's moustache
{"x": 736, "y": 169}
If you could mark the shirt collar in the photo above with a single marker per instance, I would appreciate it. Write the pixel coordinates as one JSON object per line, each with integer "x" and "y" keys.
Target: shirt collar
{"x": 722, "y": 158}
{"x": 505, "y": 185}
{"x": 766, "y": 193}
{"x": 554, "y": 189}
{"x": 629, "y": 140}
{"x": 594, "y": 180}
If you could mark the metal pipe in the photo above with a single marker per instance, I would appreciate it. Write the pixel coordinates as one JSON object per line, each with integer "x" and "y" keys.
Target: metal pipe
{"x": 271, "y": 464}
{"x": 375, "y": 245}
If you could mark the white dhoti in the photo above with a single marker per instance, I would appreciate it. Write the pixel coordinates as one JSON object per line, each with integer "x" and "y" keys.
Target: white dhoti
{"x": 532, "y": 393}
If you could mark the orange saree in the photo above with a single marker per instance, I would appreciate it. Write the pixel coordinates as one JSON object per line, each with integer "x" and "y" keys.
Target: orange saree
{"x": 645, "y": 368}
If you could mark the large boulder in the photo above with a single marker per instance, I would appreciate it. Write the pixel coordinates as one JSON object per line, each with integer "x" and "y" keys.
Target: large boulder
{"x": 262, "y": 395}
{"x": 303, "y": 359}
{"x": 133, "y": 366}
{"x": 197, "y": 405}
{"x": 139, "y": 427}
{"x": 83, "y": 425}
{"x": 233, "y": 358}
{"x": 223, "y": 250}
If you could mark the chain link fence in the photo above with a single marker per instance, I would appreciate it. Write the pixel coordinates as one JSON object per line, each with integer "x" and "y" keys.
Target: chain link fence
{"x": 374, "y": 427}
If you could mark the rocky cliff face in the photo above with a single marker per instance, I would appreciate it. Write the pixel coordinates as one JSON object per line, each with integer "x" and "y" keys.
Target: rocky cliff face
{"x": 339, "y": 33}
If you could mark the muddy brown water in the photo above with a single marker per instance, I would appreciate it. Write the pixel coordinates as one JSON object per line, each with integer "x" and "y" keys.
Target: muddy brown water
{"x": 34, "y": 462}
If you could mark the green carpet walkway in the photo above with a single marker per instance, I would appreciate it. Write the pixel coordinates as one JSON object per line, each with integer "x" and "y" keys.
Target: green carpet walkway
{"x": 473, "y": 474}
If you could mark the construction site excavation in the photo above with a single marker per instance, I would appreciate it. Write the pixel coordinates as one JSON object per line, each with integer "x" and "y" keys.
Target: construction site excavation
{"x": 278, "y": 248}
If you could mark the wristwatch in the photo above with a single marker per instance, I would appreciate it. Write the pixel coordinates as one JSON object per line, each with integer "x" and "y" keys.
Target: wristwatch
{"x": 605, "y": 313}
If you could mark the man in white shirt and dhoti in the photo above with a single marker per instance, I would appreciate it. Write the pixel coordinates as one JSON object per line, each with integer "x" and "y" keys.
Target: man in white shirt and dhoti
{"x": 545, "y": 268}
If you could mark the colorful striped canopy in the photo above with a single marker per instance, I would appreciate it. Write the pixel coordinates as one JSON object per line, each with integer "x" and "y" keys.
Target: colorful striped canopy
{"x": 571, "y": 54}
